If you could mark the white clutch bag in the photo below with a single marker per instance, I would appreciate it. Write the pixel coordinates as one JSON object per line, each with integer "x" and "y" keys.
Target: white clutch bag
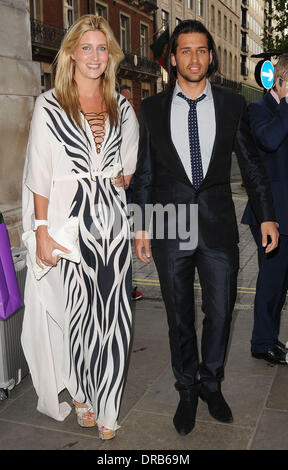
{"x": 66, "y": 236}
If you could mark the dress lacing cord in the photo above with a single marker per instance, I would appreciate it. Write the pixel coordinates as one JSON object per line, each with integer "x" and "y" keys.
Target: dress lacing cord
{"x": 96, "y": 122}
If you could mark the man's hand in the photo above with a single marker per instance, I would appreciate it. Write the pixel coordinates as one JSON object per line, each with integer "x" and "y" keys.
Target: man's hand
{"x": 269, "y": 228}
{"x": 142, "y": 246}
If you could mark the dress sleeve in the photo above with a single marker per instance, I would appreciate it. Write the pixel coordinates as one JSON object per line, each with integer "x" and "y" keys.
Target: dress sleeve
{"x": 38, "y": 168}
{"x": 130, "y": 137}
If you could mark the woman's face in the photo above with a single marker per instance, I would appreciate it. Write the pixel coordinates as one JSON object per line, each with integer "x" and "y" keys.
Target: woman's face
{"x": 91, "y": 56}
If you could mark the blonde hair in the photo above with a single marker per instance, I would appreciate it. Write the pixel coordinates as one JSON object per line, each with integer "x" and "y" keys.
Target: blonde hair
{"x": 65, "y": 86}
{"x": 281, "y": 68}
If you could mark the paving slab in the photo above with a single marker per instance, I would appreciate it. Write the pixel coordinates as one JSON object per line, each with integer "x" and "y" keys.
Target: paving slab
{"x": 21, "y": 436}
{"x": 255, "y": 390}
{"x": 271, "y": 432}
{"x": 153, "y": 431}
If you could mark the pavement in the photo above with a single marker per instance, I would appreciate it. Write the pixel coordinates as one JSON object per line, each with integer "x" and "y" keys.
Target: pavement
{"x": 255, "y": 390}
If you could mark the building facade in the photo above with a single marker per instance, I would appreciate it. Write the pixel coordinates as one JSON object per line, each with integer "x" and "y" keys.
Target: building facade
{"x": 19, "y": 84}
{"x": 131, "y": 21}
{"x": 252, "y": 31}
{"x": 222, "y": 19}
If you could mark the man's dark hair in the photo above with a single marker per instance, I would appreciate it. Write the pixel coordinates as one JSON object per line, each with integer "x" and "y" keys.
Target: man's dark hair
{"x": 189, "y": 26}
{"x": 125, "y": 87}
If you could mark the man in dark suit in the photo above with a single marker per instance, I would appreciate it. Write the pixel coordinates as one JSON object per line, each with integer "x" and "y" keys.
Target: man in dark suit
{"x": 269, "y": 125}
{"x": 184, "y": 160}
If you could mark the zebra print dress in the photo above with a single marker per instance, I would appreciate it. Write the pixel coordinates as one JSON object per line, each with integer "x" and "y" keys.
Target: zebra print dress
{"x": 87, "y": 303}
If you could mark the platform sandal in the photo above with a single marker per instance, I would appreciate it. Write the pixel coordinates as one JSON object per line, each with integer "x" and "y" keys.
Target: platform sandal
{"x": 105, "y": 433}
{"x": 85, "y": 417}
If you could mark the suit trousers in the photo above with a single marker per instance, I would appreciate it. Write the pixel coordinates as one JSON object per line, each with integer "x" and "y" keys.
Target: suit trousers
{"x": 271, "y": 291}
{"x": 217, "y": 270}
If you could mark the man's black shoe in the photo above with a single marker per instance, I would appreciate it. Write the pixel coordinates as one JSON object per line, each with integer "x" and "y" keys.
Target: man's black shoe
{"x": 281, "y": 347}
{"x": 274, "y": 356}
{"x": 217, "y": 406}
{"x": 184, "y": 419}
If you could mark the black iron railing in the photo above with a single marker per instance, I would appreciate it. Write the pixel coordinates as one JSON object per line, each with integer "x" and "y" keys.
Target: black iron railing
{"x": 141, "y": 64}
{"x": 44, "y": 34}
{"x": 148, "y": 3}
{"x": 226, "y": 82}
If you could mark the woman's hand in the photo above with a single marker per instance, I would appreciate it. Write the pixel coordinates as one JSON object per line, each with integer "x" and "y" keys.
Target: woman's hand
{"x": 45, "y": 245}
{"x": 122, "y": 181}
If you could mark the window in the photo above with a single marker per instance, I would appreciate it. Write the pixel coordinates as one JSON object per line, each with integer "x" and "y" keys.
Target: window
{"x": 225, "y": 27}
{"x": 165, "y": 19}
{"x": 225, "y": 64}
{"x": 219, "y": 23}
{"x": 125, "y": 32}
{"x": 230, "y": 31}
{"x": 200, "y": 8}
{"x": 68, "y": 10}
{"x": 235, "y": 69}
{"x": 35, "y": 9}
{"x": 212, "y": 18}
{"x": 190, "y": 4}
{"x": 219, "y": 58}
{"x": 145, "y": 92}
{"x": 101, "y": 10}
{"x": 46, "y": 82}
{"x": 235, "y": 35}
{"x": 144, "y": 39}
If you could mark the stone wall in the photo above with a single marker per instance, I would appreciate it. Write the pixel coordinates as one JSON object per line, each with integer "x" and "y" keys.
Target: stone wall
{"x": 19, "y": 85}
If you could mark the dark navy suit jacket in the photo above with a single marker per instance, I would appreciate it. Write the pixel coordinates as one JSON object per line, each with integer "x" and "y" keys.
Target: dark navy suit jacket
{"x": 161, "y": 178}
{"x": 269, "y": 126}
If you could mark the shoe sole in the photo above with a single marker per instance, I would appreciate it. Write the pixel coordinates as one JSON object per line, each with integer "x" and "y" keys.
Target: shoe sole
{"x": 106, "y": 435}
{"x": 183, "y": 432}
{"x": 229, "y": 420}
{"x": 270, "y": 361}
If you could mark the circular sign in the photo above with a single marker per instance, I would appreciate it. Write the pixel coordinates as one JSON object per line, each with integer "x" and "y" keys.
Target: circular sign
{"x": 257, "y": 72}
{"x": 267, "y": 74}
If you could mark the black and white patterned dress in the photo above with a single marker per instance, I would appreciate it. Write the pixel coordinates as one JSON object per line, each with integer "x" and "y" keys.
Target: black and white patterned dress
{"x": 77, "y": 323}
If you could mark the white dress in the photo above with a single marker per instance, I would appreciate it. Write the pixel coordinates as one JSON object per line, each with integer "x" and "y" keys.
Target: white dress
{"x": 77, "y": 322}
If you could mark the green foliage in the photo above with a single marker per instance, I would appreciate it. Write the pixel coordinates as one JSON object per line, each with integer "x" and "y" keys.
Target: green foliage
{"x": 1, "y": 218}
{"x": 276, "y": 29}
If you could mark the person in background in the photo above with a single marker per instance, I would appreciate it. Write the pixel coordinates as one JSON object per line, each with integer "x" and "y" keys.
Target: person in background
{"x": 82, "y": 149}
{"x": 187, "y": 135}
{"x": 269, "y": 124}
{"x": 125, "y": 91}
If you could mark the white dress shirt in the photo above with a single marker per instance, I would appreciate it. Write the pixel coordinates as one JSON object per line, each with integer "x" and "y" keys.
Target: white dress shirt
{"x": 206, "y": 127}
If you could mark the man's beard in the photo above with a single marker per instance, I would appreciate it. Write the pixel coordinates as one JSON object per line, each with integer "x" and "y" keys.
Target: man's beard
{"x": 190, "y": 79}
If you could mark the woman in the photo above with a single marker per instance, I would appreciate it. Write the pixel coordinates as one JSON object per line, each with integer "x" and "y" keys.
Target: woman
{"x": 77, "y": 322}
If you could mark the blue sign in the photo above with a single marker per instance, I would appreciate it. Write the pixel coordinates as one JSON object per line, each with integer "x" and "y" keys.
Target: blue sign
{"x": 267, "y": 74}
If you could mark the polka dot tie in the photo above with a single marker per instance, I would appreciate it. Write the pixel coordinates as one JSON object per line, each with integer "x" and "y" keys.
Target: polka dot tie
{"x": 195, "y": 152}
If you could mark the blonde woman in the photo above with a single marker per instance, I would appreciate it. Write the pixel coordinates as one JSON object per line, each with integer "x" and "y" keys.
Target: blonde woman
{"x": 81, "y": 152}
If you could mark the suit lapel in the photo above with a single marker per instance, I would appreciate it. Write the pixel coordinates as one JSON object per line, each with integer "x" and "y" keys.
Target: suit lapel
{"x": 218, "y": 106}
{"x": 175, "y": 161}
{"x": 270, "y": 101}
{"x": 174, "y": 158}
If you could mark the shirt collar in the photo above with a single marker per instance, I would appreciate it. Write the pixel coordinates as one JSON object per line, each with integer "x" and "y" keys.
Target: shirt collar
{"x": 275, "y": 96}
{"x": 207, "y": 91}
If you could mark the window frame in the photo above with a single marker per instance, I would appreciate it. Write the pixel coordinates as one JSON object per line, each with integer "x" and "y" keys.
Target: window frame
{"x": 128, "y": 18}
{"x": 66, "y": 9}
{"x": 103, "y": 5}
{"x": 146, "y": 42}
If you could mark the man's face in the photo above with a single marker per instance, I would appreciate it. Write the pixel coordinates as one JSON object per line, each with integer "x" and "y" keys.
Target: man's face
{"x": 128, "y": 96}
{"x": 192, "y": 57}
